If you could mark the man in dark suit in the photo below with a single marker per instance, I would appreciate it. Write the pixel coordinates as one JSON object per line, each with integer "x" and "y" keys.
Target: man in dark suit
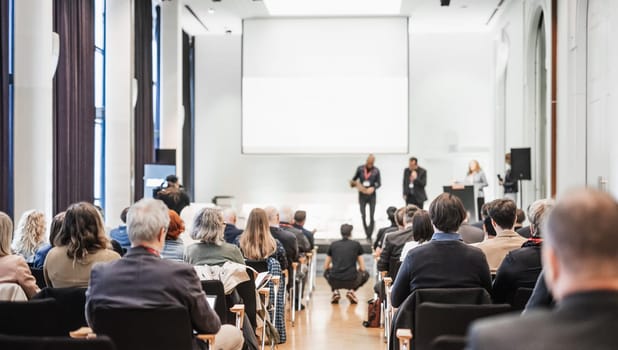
{"x": 367, "y": 180}
{"x": 394, "y": 242}
{"x": 141, "y": 279}
{"x": 414, "y": 181}
{"x": 580, "y": 261}
{"x": 231, "y": 231}
{"x": 299, "y": 222}
{"x": 287, "y": 239}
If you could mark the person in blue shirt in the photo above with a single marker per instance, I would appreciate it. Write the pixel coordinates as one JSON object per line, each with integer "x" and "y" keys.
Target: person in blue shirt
{"x": 119, "y": 234}
{"x": 54, "y": 230}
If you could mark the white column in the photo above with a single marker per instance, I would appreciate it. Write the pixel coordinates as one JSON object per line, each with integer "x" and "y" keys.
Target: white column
{"x": 172, "y": 116}
{"x": 33, "y": 147}
{"x": 118, "y": 109}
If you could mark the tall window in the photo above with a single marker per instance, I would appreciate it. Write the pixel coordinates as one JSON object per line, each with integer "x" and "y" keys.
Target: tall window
{"x": 11, "y": 181}
{"x": 99, "y": 101}
{"x": 156, "y": 72}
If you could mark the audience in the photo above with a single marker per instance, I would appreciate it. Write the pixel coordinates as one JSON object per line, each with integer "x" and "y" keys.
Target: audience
{"x": 174, "y": 248}
{"x": 13, "y": 268}
{"x": 174, "y": 196}
{"x": 81, "y": 243}
{"x": 141, "y": 279}
{"x": 54, "y": 231}
{"x": 394, "y": 242}
{"x": 580, "y": 259}
{"x": 286, "y": 217}
{"x": 340, "y": 267}
{"x": 521, "y": 267}
{"x": 502, "y": 213}
{"x": 519, "y": 221}
{"x": 231, "y": 232}
{"x": 471, "y": 234}
{"x": 299, "y": 222}
{"x": 422, "y": 230}
{"x": 29, "y": 235}
{"x": 212, "y": 249}
{"x": 445, "y": 261}
{"x": 287, "y": 239}
{"x": 119, "y": 234}
{"x": 399, "y": 220}
{"x": 390, "y": 213}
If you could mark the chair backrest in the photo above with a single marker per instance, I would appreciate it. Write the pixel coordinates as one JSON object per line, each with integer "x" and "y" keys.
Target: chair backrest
{"x": 39, "y": 276}
{"x": 449, "y": 342}
{"x": 12, "y": 292}
{"x": 31, "y": 318}
{"x": 55, "y": 343}
{"x": 257, "y": 265}
{"x": 435, "y": 319}
{"x": 247, "y": 292}
{"x": 215, "y": 287}
{"x": 145, "y": 329}
{"x": 72, "y": 301}
{"x": 521, "y": 297}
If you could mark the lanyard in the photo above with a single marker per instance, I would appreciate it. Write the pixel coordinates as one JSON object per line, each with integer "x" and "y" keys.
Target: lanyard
{"x": 150, "y": 250}
{"x": 367, "y": 174}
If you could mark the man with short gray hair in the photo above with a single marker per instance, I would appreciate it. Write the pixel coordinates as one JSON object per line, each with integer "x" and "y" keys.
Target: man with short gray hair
{"x": 231, "y": 231}
{"x": 141, "y": 279}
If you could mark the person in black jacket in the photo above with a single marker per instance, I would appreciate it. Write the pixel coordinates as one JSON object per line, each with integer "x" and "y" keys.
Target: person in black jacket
{"x": 367, "y": 180}
{"x": 414, "y": 182}
{"x": 231, "y": 231}
{"x": 287, "y": 239}
{"x": 394, "y": 242}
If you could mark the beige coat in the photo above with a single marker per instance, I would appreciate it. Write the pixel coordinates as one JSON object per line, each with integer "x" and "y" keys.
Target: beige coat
{"x": 495, "y": 249}
{"x": 13, "y": 269}
{"x": 61, "y": 271}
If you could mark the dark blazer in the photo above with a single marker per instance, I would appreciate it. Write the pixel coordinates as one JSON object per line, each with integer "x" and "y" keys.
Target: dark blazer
{"x": 230, "y": 233}
{"x": 391, "y": 252}
{"x": 581, "y": 321}
{"x": 303, "y": 243}
{"x": 308, "y": 234}
{"x": 141, "y": 279}
{"x": 441, "y": 264}
{"x": 418, "y": 191}
{"x": 519, "y": 269}
{"x": 288, "y": 240}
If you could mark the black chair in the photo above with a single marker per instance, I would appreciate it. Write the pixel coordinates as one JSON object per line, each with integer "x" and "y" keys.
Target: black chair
{"x": 72, "y": 301}
{"x": 257, "y": 265}
{"x": 145, "y": 329}
{"x": 31, "y": 318}
{"x": 435, "y": 319}
{"x": 449, "y": 342}
{"x": 215, "y": 287}
{"x": 246, "y": 291}
{"x": 39, "y": 276}
{"x": 55, "y": 343}
{"x": 521, "y": 297}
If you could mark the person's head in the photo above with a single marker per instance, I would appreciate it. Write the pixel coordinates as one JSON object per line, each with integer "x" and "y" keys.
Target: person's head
{"x": 56, "y": 227}
{"x": 300, "y": 216}
{"x": 408, "y": 214}
{"x": 537, "y": 213}
{"x": 256, "y": 242}
{"x": 422, "y": 229}
{"x": 488, "y": 228}
{"x": 413, "y": 163}
{"x": 503, "y": 213}
{"x": 370, "y": 161}
{"x": 273, "y": 216}
{"x": 6, "y": 234}
{"x": 123, "y": 215}
{"x": 30, "y": 232}
{"x": 229, "y": 216}
{"x": 147, "y": 223}
{"x": 474, "y": 167}
{"x": 346, "y": 231}
{"x": 286, "y": 214}
{"x": 484, "y": 210}
{"x": 172, "y": 181}
{"x": 580, "y": 248}
{"x": 507, "y": 158}
{"x": 82, "y": 231}
{"x": 520, "y": 217}
{"x": 390, "y": 213}
{"x": 399, "y": 217}
{"x": 208, "y": 226}
{"x": 447, "y": 213}
{"x": 176, "y": 226}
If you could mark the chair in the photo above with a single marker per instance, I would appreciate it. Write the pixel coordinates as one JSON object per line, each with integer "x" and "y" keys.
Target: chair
{"x": 215, "y": 287}
{"x": 431, "y": 320}
{"x": 387, "y": 309}
{"x": 31, "y": 318}
{"x": 521, "y": 297}
{"x": 257, "y": 265}
{"x": 72, "y": 301}
{"x": 12, "y": 292}
{"x": 247, "y": 292}
{"x": 449, "y": 342}
{"x": 55, "y": 343}
{"x": 39, "y": 276}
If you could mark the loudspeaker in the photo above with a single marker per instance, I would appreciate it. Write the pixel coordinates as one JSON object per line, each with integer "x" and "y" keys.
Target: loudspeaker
{"x": 520, "y": 164}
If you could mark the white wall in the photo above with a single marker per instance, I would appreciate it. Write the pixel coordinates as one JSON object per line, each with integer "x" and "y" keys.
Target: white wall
{"x": 450, "y": 112}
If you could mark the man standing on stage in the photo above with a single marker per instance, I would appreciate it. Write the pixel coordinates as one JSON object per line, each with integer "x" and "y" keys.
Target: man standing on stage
{"x": 367, "y": 181}
{"x": 414, "y": 181}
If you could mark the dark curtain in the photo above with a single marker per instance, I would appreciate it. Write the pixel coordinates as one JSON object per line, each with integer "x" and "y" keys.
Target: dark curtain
{"x": 6, "y": 199}
{"x": 74, "y": 110}
{"x": 144, "y": 124}
{"x": 188, "y": 60}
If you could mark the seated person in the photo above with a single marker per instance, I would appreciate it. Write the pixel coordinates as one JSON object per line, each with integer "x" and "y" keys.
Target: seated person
{"x": 174, "y": 248}
{"x": 340, "y": 267}
{"x": 212, "y": 249}
{"x": 470, "y": 234}
{"x": 521, "y": 267}
{"x": 519, "y": 221}
{"x": 287, "y": 239}
{"x": 580, "y": 260}
{"x": 286, "y": 217}
{"x": 154, "y": 282}
{"x": 401, "y": 225}
{"x": 394, "y": 242}
{"x": 119, "y": 234}
{"x": 445, "y": 261}
{"x": 300, "y": 216}
{"x": 422, "y": 229}
{"x": 173, "y": 195}
{"x": 29, "y": 235}
{"x": 503, "y": 214}
{"x": 390, "y": 213}
{"x": 54, "y": 230}
{"x": 231, "y": 232}
{"x": 13, "y": 267}
{"x": 81, "y": 243}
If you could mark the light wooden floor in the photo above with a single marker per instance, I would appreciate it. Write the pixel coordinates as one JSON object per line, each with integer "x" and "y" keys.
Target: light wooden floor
{"x": 339, "y": 327}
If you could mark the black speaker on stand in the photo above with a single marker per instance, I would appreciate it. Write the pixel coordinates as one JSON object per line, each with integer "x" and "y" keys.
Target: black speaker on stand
{"x": 521, "y": 168}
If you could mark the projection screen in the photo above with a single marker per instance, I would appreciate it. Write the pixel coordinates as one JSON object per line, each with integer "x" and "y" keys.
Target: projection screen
{"x": 325, "y": 86}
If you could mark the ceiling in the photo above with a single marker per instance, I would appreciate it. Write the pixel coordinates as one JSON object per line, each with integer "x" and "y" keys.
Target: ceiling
{"x": 225, "y": 16}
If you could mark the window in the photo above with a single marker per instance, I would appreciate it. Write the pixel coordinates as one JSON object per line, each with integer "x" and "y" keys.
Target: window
{"x": 99, "y": 102}
{"x": 156, "y": 72}
{"x": 11, "y": 105}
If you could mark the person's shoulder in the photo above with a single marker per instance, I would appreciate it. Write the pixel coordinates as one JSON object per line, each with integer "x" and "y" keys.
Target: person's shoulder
{"x": 512, "y": 329}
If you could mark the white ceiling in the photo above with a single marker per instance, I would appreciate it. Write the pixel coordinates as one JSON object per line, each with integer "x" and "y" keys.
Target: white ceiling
{"x": 426, "y": 15}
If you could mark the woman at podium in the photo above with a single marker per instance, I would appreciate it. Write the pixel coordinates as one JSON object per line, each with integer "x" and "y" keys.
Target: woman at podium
{"x": 476, "y": 177}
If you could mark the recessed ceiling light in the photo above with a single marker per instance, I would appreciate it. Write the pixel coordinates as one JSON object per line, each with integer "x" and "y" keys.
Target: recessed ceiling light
{"x": 211, "y": 10}
{"x": 332, "y": 7}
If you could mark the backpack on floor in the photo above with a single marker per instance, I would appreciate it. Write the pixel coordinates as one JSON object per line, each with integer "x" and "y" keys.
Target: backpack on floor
{"x": 374, "y": 307}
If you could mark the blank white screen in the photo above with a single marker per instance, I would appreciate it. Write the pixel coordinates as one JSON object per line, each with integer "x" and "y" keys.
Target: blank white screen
{"x": 325, "y": 85}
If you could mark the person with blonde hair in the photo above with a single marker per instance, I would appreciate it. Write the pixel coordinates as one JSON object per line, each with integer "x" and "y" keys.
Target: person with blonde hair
{"x": 212, "y": 249}
{"x": 81, "y": 243}
{"x": 13, "y": 268}
{"x": 54, "y": 230}
{"x": 476, "y": 177}
{"x": 29, "y": 235}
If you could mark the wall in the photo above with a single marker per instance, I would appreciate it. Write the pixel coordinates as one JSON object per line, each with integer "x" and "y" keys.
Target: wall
{"x": 450, "y": 123}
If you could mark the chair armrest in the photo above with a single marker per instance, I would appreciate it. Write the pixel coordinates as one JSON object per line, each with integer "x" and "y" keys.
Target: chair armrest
{"x": 82, "y": 333}
{"x": 388, "y": 281}
{"x": 207, "y": 338}
{"x": 239, "y": 310}
{"x": 294, "y": 266}
{"x": 404, "y": 336}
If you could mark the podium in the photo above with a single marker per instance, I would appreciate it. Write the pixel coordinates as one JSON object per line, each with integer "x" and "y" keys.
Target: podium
{"x": 466, "y": 194}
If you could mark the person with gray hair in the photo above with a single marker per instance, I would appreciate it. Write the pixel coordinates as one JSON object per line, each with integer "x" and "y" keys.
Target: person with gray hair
{"x": 286, "y": 220}
{"x": 231, "y": 232}
{"x": 212, "y": 249}
{"x": 141, "y": 279}
{"x": 521, "y": 267}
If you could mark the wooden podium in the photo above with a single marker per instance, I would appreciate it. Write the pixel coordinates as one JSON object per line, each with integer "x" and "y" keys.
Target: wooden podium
{"x": 467, "y": 195}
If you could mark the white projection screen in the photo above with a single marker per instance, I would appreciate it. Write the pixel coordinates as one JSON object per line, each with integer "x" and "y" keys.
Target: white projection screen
{"x": 325, "y": 86}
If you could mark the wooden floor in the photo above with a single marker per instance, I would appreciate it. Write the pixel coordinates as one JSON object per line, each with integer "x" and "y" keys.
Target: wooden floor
{"x": 322, "y": 325}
